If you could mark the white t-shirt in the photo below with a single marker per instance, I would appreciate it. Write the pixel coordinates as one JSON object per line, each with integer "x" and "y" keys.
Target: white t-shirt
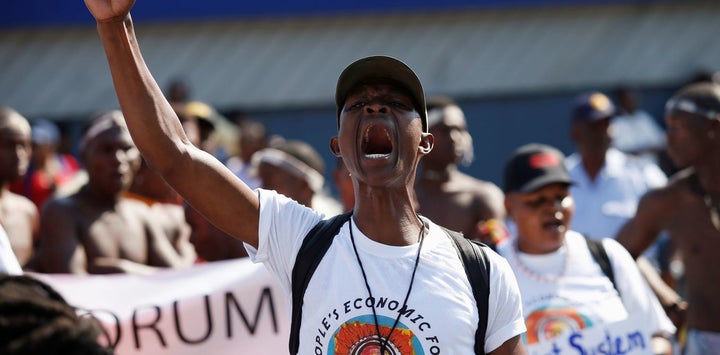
{"x": 337, "y": 316}
{"x": 580, "y": 296}
{"x": 8, "y": 262}
{"x": 604, "y": 205}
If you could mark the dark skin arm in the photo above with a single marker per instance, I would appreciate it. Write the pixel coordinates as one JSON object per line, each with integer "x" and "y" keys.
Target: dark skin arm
{"x": 60, "y": 250}
{"x": 201, "y": 179}
{"x": 643, "y": 229}
{"x": 512, "y": 346}
{"x": 637, "y": 235}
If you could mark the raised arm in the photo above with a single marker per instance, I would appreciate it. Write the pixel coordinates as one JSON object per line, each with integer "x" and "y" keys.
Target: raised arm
{"x": 200, "y": 178}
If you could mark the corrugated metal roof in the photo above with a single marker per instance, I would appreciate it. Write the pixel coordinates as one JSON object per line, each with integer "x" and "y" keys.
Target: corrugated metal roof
{"x": 286, "y": 63}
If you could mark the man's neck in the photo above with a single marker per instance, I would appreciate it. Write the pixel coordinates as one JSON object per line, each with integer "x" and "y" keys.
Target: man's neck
{"x": 388, "y": 217}
{"x": 708, "y": 176}
{"x": 438, "y": 174}
{"x": 592, "y": 165}
{"x": 98, "y": 199}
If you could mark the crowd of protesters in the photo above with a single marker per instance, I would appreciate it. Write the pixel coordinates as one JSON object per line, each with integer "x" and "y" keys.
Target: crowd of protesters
{"x": 108, "y": 211}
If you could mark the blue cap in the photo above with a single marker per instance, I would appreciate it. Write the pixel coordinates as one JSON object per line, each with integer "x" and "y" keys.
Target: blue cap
{"x": 44, "y": 132}
{"x": 591, "y": 107}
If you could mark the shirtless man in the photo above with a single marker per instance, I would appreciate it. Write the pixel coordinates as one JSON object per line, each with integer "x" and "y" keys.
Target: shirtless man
{"x": 18, "y": 215}
{"x": 688, "y": 209}
{"x": 449, "y": 197}
{"x": 167, "y": 208}
{"x": 96, "y": 230}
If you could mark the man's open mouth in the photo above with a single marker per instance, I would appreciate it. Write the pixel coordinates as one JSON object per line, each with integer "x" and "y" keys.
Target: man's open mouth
{"x": 376, "y": 142}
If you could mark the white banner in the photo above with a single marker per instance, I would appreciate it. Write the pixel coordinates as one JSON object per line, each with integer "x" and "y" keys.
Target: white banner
{"x": 226, "y": 307}
{"x": 624, "y": 337}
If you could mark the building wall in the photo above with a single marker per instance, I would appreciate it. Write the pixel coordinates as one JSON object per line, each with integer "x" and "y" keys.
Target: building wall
{"x": 513, "y": 69}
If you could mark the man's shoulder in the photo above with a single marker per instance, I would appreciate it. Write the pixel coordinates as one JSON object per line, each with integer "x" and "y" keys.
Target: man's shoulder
{"x": 473, "y": 185}
{"x": 19, "y": 203}
{"x": 669, "y": 195}
{"x": 67, "y": 204}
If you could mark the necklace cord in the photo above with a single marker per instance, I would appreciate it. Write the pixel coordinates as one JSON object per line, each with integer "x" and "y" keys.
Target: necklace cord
{"x": 421, "y": 239}
{"x": 534, "y": 275}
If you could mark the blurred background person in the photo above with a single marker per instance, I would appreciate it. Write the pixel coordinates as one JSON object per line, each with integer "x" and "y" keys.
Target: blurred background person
{"x": 447, "y": 196}
{"x": 210, "y": 242}
{"x": 687, "y": 208}
{"x": 607, "y": 182}
{"x": 562, "y": 285}
{"x": 178, "y": 91}
{"x": 166, "y": 207}
{"x": 252, "y": 138}
{"x": 49, "y": 169}
{"x": 96, "y": 230}
{"x": 217, "y": 135}
{"x": 295, "y": 169}
{"x": 18, "y": 215}
{"x": 634, "y": 130}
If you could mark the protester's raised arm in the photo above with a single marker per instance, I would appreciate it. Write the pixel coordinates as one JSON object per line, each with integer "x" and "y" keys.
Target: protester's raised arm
{"x": 200, "y": 178}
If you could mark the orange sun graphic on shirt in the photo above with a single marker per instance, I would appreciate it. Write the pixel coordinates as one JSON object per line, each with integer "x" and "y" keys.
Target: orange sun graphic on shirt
{"x": 359, "y": 337}
{"x": 548, "y": 323}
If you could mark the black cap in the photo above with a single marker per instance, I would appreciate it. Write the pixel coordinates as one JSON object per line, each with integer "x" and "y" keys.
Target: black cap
{"x": 533, "y": 166}
{"x": 591, "y": 107}
{"x": 383, "y": 68}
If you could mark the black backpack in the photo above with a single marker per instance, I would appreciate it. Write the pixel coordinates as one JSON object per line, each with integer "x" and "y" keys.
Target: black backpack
{"x": 597, "y": 250}
{"x": 318, "y": 240}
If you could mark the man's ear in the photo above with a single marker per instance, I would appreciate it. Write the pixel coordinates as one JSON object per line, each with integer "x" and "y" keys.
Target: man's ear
{"x": 335, "y": 146}
{"x": 427, "y": 141}
{"x": 508, "y": 207}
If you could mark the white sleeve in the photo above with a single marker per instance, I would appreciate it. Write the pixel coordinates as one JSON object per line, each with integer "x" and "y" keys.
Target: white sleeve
{"x": 635, "y": 292}
{"x": 8, "y": 262}
{"x": 505, "y": 317}
{"x": 282, "y": 228}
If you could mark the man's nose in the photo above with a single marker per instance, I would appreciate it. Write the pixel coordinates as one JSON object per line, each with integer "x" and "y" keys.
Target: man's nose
{"x": 376, "y": 107}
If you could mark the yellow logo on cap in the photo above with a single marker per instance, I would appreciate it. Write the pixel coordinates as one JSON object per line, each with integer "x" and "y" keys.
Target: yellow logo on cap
{"x": 599, "y": 102}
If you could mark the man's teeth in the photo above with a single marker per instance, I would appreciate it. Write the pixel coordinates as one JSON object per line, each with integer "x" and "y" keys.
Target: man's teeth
{"x": 376, "y": 156}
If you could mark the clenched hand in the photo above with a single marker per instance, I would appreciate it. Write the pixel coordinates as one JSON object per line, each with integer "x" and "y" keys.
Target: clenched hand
{"x": 107, "y": 10}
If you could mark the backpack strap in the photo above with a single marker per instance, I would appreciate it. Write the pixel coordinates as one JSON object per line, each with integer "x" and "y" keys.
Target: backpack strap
{"x": 318, "y": 240}
{"x": 598, "y": 252}
{"x": 312, "y": 250}
{"x": 477, "y": 269}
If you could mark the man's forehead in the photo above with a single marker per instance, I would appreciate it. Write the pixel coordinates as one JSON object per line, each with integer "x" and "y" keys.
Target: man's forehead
{"x": 450, "y": 116}
{"x": 453, "y": 116}
{"x": 15, "y": 125}
{"x": 677, "y": 115}
{"x": 379, "y": 85}
{"x": 111, "y": 135}
{"x": 14, "y": 130}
